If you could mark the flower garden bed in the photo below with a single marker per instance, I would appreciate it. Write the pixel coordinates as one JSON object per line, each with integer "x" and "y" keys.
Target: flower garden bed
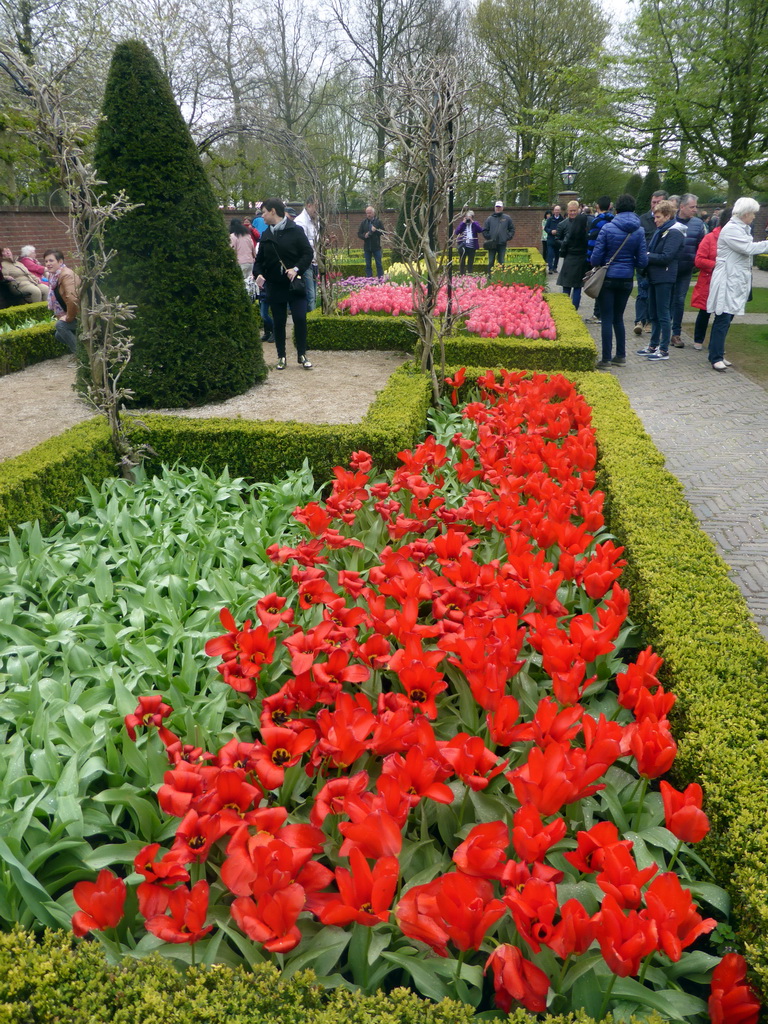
{"x": 694, "y": 616}
{"x": 424, "y": 502}
{"x": 26, "y": 337}
{"x": 571, "y": 349}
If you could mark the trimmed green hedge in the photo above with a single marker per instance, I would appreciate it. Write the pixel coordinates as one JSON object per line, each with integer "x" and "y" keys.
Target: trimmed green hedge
{"x": 716, "y": 659}
{"x": 74, "y": 984}
{"x": 28, "y": 346}
{"x": 572, "y": 350}
{"x": 761, "y": 261}
{"x": 15, "y": 315}
{"x": 49, "y": 478}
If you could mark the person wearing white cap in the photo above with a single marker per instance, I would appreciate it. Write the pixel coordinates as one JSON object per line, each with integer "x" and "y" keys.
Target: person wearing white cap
{"x": 498, "y": 231}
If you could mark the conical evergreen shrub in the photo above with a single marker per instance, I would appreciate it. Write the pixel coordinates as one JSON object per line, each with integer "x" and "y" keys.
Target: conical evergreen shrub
{"x": 651, "y": 184}
{"x": 196, "y": 338}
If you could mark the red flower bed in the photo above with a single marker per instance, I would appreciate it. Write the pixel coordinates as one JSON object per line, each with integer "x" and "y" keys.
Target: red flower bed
{"x": 444, "y": 750}
{"x": 510, "y": 310}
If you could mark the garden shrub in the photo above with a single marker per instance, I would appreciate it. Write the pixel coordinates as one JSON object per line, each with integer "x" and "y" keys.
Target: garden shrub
{"x": 57, "y": 980}
{"x": 49, "y": 478}
{"x": 27, "y": 346}
{"x": 15, "y": 315}
{"x": 761, "y": 261}
{"x": 195, "y": 335}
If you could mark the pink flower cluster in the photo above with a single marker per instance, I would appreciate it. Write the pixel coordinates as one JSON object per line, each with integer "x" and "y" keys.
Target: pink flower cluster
{"x": 510, "y": 310}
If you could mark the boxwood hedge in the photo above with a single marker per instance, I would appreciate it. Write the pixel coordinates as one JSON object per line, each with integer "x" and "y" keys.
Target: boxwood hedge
{"x": 49, "y": 478}
{"x": 27, "y": 346}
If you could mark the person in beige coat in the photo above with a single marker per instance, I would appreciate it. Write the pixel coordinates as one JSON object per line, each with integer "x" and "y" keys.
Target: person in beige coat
{"x": 732, "y": 277}
{"x": 21, "y": 281}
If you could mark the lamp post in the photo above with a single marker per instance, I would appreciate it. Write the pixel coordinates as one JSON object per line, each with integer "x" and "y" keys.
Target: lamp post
{"x": 569, "y": 176}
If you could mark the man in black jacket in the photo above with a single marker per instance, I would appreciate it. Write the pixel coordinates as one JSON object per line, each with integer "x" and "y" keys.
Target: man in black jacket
{"x": 499, "y": 232}
{"x": 648, "y": 224}
{"x": 553, "y": 246}
{"x": 370, "y": 231}
{"x": 284, "y": 254}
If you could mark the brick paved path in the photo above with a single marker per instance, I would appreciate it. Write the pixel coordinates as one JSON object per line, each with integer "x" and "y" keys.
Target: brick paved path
{"x": 713, "y": 430}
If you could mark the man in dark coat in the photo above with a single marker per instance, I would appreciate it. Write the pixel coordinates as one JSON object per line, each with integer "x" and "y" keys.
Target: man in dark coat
{"x": 499, "y": 232}
{"x": 370, "y": 231}
{"x": 695, "y": 231}
{"x": 648, "y": 224}
{"x": 553, "y": 244}
{"x": 284, "y": 254}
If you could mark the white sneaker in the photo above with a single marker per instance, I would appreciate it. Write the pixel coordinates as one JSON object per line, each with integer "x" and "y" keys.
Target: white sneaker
{"x": 698, "y": 346}
{"x": 719, "y": 365}
{"x": 727, "y": 361}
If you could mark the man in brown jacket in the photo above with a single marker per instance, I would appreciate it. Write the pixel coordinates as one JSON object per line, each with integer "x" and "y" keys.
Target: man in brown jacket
{"x": 63, "y": 298}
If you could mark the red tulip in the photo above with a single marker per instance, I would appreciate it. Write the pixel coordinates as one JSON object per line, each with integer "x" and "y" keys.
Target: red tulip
{"x": 101, "y": 903}
{"x": 150, "y": 711}
{"x": 683, "y": 815}
{"x": 517, "y": 980}
{"x": 732, "y": 999}
{"x": 186, "y": 921}
{"x": 673, "y": 910}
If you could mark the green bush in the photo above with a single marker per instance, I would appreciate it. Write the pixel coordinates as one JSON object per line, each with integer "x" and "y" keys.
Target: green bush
{"x": 195, "y": 336}
{"x": 15, "y": 315}
{"x": 57, "y": 980}
{"x": 572, "y": 350}
{"x": 27, "y": 346}
{"x": 49, "y": 478}
{"x": 761, "y": 261}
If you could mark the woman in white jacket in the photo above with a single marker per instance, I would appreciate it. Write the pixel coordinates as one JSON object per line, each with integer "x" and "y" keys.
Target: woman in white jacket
{"x": 732, "y": 276}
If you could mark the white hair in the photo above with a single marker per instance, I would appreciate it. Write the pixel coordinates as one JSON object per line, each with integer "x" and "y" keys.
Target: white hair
{"x": 27, "y": 250}
{"x": 744, "y": 206}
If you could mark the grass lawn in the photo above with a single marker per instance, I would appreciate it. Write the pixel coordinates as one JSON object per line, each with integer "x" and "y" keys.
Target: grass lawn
{"x": 747, "y": 348}
{"x": 759, "y": 303}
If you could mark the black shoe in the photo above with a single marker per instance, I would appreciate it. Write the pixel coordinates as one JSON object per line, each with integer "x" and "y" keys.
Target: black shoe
{"x": 619, "y": 361}
{"x": 604, "y": 364}
{"x": 268, "y": 337}
{"x": 303, "y": 361}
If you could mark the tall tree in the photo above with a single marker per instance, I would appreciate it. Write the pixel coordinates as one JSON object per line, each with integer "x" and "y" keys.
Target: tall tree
{"x": 546, "y": 55}
{"x": 195, "y": 337}
{"x": 703, "y": 62}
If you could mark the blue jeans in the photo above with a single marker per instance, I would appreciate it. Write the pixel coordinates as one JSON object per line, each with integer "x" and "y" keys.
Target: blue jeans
{"x": 720, "y": 327}
{"x": 614, "y": 296}
{"x": 498, "y": 254}
{"x": 642, "y": 315}
{"x": 66, "y": 332}
{"x": 682, "y": 284}
{"x": 377, "y": 256}
{"x": 310, "y": 285}
{"x": 269, "y": 327}
{"x": 575, "y": 294}
{"x": 553, "y": 254}
{"x": 659, "y": 296}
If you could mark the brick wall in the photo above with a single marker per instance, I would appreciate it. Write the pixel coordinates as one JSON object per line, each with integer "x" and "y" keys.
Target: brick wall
{"x": 46, "y": 229}
{"x": 31, "y": 225}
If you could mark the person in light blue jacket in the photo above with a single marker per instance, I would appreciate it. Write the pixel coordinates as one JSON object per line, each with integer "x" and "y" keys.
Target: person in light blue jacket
{"x": 622, "y": 245}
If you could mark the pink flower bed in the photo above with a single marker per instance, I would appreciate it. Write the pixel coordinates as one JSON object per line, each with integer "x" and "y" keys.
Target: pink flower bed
{"x": 509, "y": 310}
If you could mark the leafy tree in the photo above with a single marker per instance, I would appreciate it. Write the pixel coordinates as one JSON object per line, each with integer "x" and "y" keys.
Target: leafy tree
{"x": 651, "y": 183}
{"x": 547, "y": 63}
{"x": 195, "y": 335}
{"x": 703, "y": 63}
{"x": 634, "y": 183}
{"x": 676, "y": 181}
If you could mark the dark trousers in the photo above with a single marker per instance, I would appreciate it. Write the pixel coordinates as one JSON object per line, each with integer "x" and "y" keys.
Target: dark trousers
{"x": 682, "y": 284}
{"x": 614, "y": 296}
{"x": 497, "y": 254}
{"x": 720, "y": 326}
{"x": 298, "y": 304}
{"x": 466, "y": 259}
{"x": 553, "y": 254}
{"x": 575, "y": 294}
{"x": 376, "y": 254}
{"x": 641, "y": 302}
{"x": 269, "y": 327}
{"x": 66, "y": 333}
{"x": 659, "y": 296}
{"x": 700, "y": 327}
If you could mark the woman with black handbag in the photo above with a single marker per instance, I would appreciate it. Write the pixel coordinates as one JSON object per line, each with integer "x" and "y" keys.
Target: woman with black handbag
{"x": 284, "y": 254}
{"x": 620, "y": 247}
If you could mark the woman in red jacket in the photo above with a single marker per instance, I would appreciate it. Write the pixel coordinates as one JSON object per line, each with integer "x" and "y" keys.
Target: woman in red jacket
{"x": 706, "y": 255}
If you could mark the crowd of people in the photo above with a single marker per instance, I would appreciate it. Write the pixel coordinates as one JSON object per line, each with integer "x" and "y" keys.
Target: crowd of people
{"x": 662, "y": 248}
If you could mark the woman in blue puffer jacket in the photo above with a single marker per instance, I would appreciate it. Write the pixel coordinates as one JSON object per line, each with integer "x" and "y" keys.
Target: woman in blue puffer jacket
{"x": 623, "y": 242}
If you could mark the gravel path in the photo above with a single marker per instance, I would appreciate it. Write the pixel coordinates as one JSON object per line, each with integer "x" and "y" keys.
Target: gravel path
{"x": 39, "y": 402}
